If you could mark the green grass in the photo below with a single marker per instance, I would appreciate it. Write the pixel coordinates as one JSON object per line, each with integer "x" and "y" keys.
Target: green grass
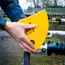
{"x": 18, "y": 60}
{"x": 39, "y": 59}
{"x": 52, "y": 21}
{"x": 43, "y": 59}
{"x": 54, "y": 38}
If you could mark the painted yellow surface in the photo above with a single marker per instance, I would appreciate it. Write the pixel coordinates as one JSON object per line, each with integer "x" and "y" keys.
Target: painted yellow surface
{"x": 40, "y": 32}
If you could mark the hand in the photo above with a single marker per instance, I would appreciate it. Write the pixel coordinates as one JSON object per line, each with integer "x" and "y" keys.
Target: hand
{"x": 17, "y": 31}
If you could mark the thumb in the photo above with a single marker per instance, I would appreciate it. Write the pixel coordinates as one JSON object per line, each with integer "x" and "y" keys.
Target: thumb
{"x": 29, "y": 25}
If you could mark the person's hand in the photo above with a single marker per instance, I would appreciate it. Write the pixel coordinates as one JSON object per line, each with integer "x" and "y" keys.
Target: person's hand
{"x": 17, "y": 31}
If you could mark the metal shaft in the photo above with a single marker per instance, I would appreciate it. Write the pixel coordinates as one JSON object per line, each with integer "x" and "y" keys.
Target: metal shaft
{"x": 26, "y": 58}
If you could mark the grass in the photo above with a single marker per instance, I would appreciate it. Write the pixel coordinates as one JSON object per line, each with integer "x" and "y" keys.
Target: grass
{"x": 18, "y": 60}
{"x": 43, "y": 59}
{"x": 39, "y": 59}
{"x": 54, "y": 38}
{"x": 52, "y": 21}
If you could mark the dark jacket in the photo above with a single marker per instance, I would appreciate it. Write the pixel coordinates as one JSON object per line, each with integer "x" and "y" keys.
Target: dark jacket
{"x": 12, "y": 10}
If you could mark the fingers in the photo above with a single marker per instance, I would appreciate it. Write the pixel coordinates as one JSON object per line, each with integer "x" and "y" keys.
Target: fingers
{"x": 27, "y": 47}
{"x": 24, "y": 46}
{"x": 29, "y": 25}
{"x": 27, "y": 41}
{"x": 21, "y": 45}
{"x": 27, "y": 44}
